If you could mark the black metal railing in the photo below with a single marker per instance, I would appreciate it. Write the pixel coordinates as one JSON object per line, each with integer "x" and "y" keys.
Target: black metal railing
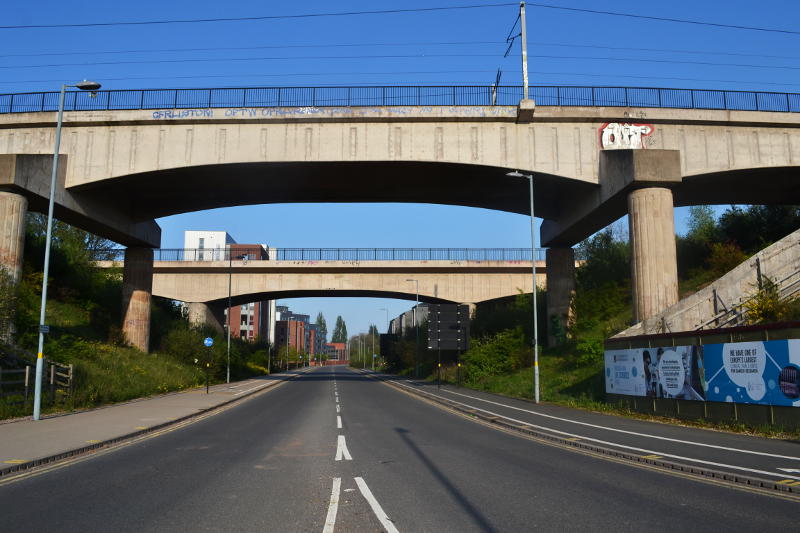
{"x": 185, "y": 103}
{"x": 334, "y": 254}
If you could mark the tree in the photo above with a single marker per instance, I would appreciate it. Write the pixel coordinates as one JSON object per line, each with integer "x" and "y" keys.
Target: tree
{"x": 340, "y": 330}
{"x": 323, "y": 327}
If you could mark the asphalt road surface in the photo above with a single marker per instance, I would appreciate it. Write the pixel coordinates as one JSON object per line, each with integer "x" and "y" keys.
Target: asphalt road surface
{"x": 334, "y": 450}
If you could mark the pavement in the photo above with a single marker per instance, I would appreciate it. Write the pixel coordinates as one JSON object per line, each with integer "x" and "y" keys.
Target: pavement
{"x": 27, "y": 443}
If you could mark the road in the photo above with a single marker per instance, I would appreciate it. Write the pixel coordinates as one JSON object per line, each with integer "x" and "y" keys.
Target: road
{"x": 270, "y": 464}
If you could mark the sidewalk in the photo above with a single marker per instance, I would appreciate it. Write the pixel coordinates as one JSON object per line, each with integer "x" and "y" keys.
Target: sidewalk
{"x": 28, "y": 443}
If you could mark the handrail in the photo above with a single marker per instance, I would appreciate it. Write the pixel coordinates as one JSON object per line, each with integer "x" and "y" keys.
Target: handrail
{"x": 202, "y": 102}
{"x": 258, "y": 253}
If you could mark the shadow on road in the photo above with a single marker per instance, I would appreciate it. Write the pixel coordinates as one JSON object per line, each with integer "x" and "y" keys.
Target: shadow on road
{"x": 462, "y": 500}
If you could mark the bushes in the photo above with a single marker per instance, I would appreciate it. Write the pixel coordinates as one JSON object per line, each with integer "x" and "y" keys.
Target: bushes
{"x": 504, "y": 352}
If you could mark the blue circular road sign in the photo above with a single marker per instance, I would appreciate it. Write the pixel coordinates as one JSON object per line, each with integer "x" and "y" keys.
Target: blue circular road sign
{"x": 208, "y": 341}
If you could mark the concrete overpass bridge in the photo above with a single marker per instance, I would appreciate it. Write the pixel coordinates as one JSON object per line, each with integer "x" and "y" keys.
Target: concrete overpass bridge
{"x": 596, "y": 154}
{"x": 462, "y": 275}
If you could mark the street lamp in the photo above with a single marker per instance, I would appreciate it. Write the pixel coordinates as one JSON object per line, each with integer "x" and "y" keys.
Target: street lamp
{"x": 84, "y": 85}
{"x": 416, "y": 325}
{"x": 518, "y": 174}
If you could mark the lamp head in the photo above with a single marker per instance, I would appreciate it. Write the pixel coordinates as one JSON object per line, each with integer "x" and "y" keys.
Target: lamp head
{"x": 517, "y": 174}
{"x": 87, "y": 85}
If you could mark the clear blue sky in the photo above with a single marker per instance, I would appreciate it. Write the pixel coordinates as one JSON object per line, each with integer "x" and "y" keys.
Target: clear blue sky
{"x": 431, "y": 47}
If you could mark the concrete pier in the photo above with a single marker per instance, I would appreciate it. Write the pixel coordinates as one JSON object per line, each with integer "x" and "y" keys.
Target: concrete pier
{"x": 202, "y": 314}
{"x": 560, "y": 288}
{"x": 654, "y": 270}
{"x": 12, "y": 232}
{"x": 137, "y": 288}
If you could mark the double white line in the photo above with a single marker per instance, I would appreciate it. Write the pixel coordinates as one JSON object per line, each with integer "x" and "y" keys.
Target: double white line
{"x": 380, "y": 514}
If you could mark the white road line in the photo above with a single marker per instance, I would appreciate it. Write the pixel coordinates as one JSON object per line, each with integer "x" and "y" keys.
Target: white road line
{"x": 617, "y": 445}
{"x": 341, "y": 450}
{"x": 254, "y": 388}
{"x": 658, "y": 437}
{"x": 338, "y": 422}
{"x": 337, "y": 408}
{"x": 337, "y": 399}
{"x": 382, "y": 517}
{"x": 330, "y": 520}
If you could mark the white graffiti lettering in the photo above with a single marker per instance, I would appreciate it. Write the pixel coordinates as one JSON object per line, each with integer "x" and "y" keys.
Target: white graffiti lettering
{"x": 617, "y": 136}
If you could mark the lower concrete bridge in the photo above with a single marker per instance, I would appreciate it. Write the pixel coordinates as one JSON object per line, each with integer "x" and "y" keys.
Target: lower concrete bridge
{"x": 469, "y": 276}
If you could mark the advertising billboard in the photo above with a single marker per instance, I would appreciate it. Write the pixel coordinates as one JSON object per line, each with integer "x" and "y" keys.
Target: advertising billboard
{"x": 762, "y": 372}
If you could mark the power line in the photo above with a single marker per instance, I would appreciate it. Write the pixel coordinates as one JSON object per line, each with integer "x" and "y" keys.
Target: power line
{"x": 399, "y": 56}
{"x": 264, "y": 17}
{"x": 228, "y": 59}
{"x": 406, "y": 10}
{"x": 232, "y": 48}
{"x": 662, "y": 19}
{"x": 403, "y": 73}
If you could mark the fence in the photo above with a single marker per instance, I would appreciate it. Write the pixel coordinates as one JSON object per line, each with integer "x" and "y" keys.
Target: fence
{"x": 16, "y": 385}
{"x": 470, "y": 95}
{"x": 333, "y": 254}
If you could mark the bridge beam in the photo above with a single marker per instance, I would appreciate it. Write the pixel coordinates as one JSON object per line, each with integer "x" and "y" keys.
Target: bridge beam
{"x": 560, "y": 289}
{"x": 29, "y": 176}
{"x": 137, "y": 288}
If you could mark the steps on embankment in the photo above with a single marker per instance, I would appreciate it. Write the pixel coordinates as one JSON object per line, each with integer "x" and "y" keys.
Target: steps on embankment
{"x": 721, "y": 303}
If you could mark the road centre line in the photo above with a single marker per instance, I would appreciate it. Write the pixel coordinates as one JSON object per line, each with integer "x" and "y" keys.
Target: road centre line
{"x": 338, "y": 422}
{"x": 333, "y": 506}
{"x": 341, "y": 450}
{"x": 382, "y": 517}
{"x": 337, "y": 408}
{"x": 726, "y": 448}
{"x": 614, "y": 444}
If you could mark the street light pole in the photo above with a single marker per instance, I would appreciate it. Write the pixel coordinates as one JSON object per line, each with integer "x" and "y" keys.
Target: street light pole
{"x": 37, "y": 395}
{"x": 230, "y": 268}
{"x": 517, "y": 174}
{"x": 416, "y": 325}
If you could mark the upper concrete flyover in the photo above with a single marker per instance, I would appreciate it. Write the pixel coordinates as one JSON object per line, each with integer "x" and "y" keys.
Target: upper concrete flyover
{"x": 126, "y": 167}
{"x": 594, "y": 155}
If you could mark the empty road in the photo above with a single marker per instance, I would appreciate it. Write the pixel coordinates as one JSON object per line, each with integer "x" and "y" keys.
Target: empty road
{"x": 334, "y": 450}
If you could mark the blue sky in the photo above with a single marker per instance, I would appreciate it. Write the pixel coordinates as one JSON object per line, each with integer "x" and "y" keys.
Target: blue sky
{"x": 431, "y": 47}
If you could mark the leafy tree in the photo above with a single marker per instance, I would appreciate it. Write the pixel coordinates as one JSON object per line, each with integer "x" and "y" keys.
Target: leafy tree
{"x": 323, "y": 327}
{"x": 339, "y": 331}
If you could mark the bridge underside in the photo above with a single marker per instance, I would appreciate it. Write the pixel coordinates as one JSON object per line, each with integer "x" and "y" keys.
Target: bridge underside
{"x": 280, "y": 295}
{"x": 162, "y": 193}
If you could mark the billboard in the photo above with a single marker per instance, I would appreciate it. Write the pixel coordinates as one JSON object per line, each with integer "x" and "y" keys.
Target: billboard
{"x": 762, "y": 372}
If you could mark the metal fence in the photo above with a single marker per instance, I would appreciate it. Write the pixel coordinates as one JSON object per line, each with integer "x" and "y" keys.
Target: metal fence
{"x": 201, "y": 102}
{"x": 334, "y": 254}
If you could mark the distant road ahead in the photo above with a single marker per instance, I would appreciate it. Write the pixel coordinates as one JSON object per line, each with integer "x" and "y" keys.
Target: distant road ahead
{"x": 280, "y": 462}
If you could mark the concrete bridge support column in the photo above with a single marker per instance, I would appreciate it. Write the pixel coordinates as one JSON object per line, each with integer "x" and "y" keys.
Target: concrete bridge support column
{"x": 201, "y": 314}
{"x": 12, "y": 232}
{"x": 12, "y": 244}
{"x": 137, "y": 288}
{"x": 560, "y": 290}
{"x": 654, "y": 270}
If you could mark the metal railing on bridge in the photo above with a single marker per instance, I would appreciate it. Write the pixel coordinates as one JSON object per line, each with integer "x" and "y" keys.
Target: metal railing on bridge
{"x": 201, "y": 102}
{"x": 332, "y": 254}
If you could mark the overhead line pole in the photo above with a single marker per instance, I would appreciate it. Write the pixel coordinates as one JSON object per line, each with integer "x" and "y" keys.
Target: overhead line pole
{"x": 524, "y": 50}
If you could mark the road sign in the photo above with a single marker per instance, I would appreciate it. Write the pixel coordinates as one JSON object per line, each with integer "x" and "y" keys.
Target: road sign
{"x": 208, "y": 341}
{"x": 44, "y": 329}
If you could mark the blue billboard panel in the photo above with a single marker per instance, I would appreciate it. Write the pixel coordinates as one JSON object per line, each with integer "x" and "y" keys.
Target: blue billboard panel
{"x": 762, "y": 372}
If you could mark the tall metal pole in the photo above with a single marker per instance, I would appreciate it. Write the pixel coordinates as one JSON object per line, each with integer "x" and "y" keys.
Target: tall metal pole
{"x": 416, "y": 326}
{"x": 37, "y": 394}
{"x": 524, "y": 50}
{"x": 373, "y": 347}
{"x": 535, "y": 317}
{"x": 230, "y": 268}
